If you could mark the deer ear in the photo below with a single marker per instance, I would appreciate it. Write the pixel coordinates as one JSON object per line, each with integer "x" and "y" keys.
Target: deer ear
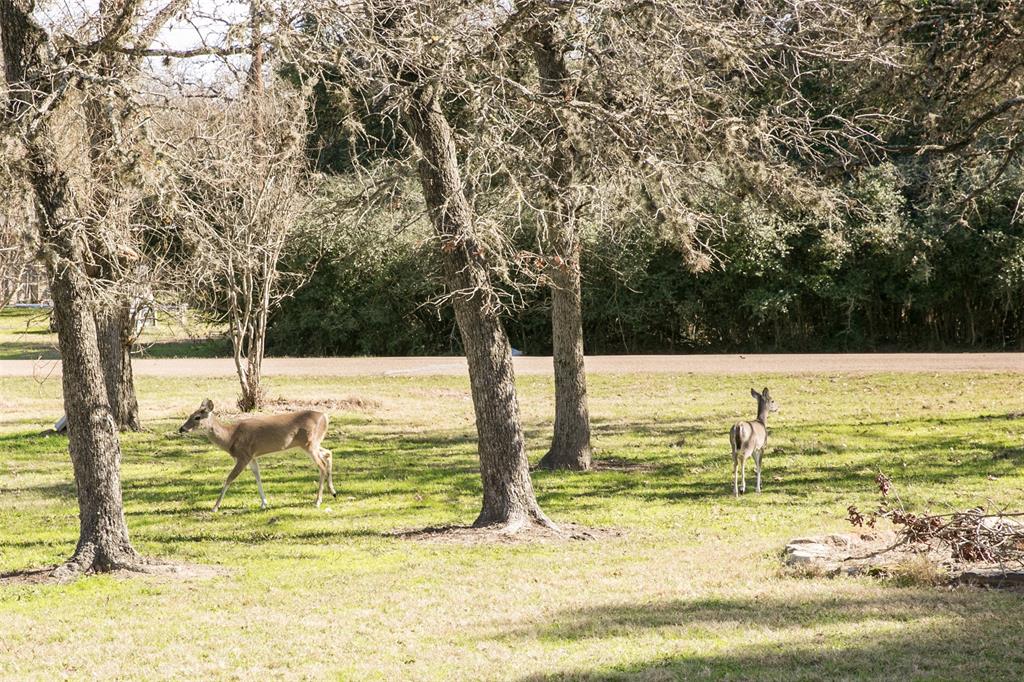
{"x": 765, "y": 392}
{"x": 755, "y": 393}
{"x": 207, "y": 405}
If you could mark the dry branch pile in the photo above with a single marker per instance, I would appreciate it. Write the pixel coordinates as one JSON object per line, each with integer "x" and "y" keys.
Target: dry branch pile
{"x": 971, "y": 537}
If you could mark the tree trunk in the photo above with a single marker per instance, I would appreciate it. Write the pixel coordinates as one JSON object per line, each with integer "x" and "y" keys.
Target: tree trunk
{"x": 570, "y": 447}
{"x": 509, "y": 499}
{"x": 114, "y": 336}
{"x": 113, "y": 322}
{"x": 103, "y": 543}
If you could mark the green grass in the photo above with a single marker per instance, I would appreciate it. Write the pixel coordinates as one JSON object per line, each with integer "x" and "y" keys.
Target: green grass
{"x": 25, "y": 335}
{"x": 691, "y": 588}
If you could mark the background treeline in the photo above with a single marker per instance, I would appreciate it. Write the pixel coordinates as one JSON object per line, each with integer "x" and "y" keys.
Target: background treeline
{"x": 907, "y": 274}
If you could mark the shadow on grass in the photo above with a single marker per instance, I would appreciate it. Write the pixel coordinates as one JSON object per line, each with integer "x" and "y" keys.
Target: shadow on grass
{"x": 407, "y": 463}
{"x": 254, "y": 536}
{"x": 667, "y": 461}
{"x": 940, "y": 636}
{"x": 28, "y": 350}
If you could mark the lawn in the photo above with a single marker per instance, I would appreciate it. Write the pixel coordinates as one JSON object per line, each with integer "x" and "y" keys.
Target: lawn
{"x": 689, "y": 586}
{"x": 25, "y": 335}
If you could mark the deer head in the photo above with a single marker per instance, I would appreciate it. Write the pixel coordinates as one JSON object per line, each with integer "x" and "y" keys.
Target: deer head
{"x": 765, "y": 401}
{"x": 200, "y": 419}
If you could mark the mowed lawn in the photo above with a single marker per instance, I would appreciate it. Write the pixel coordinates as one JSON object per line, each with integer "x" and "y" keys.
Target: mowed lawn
{"x": 25, "y": 335}
{"x": 689, "y": 587}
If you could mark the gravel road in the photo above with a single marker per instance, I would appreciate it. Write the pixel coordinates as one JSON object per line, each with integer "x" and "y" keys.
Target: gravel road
{"x": 852, "y": 363}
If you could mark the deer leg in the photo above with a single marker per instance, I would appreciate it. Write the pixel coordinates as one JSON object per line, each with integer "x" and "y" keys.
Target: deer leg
{"x": 259, "y": 484}
{"x": 240, "y": 464}
{"x": 743, "y": 474}
{"x": 323, "y": 473}
{"x": 328, "y": 459}
{"x": 757, "y": 465}
{"x": 735, "y": 474}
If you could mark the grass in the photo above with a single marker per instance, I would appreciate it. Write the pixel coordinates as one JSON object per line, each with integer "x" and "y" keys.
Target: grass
{"x": 25, "y": 335}
{"x": 691, "y": 589}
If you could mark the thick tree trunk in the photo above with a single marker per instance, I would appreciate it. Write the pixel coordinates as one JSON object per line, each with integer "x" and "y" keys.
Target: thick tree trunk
{"x": 103, "y": 543}
{"x": 114, "y": 336}
{"x": 509, "y": 499}
{"x": 570, "y": 446}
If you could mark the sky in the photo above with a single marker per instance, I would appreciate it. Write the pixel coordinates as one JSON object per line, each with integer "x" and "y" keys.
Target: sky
{"x": 203, "y": 23}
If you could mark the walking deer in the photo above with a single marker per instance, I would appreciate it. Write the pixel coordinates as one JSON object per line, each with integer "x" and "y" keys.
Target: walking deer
{"x": 749, "y": 438}
{"x": 250, "y": 438}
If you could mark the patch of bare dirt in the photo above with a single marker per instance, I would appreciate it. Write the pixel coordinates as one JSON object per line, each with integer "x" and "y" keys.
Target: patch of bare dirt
{"x": 163, "y": 571}
{"x": 534, "y": 533}
{"x": 350, "y": 404}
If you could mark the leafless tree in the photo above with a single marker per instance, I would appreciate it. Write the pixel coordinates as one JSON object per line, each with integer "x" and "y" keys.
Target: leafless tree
{"x": 560, "y": 113}
{"x": 673, "y": 110}
{"x": 413, "y": 58}
{"x": 86, "y": 235}
{"x": 241, "y": 186}
{"x": 110, "y": 119}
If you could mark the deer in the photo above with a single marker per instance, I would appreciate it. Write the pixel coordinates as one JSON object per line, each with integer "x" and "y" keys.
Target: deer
{"x": 749, "y": 438}
{"x": 251, "y": 438}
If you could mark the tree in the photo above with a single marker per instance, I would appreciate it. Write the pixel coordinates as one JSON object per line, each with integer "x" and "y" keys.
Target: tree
{"x": 570, "y": 446}
{"x": 509, "y": 499}
{"x": 648, "y": 105}
{"x": 14, "y": 242}
{"x": 397, "y": 49}
{"x": 240, "y": 190}
{"x": 113, "y": 152}
{"x": 38, "y": 79}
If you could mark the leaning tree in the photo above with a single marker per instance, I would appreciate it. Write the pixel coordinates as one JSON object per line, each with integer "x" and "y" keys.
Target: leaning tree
{"x": 418, "y": 60}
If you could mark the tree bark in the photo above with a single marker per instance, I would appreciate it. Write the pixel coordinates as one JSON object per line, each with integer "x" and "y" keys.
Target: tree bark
{"x": 570, "y": 446}
{"x": 509, "y": 499}
{"x": 114, "y": 337}
{"x": 103, "y": 543}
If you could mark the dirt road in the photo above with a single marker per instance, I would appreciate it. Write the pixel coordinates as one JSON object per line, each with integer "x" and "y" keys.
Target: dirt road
{"x": 855, "y": 363}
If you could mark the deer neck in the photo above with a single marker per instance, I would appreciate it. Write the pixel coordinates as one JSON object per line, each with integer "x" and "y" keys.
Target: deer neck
{"x": 220, "y": 434}
{"x": 762, "y": 412}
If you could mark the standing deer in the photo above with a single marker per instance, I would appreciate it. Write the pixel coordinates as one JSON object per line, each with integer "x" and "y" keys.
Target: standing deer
{"x": 250, "y": 438}
{"x": 749, "y": 438}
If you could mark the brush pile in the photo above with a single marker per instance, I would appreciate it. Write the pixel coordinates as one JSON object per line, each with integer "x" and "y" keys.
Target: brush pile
{"x": 973, "y": 536}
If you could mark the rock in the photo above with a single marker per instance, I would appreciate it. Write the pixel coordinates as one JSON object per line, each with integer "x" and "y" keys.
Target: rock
{"x": 828, "y": 552}
{"x": 808, "y": 551}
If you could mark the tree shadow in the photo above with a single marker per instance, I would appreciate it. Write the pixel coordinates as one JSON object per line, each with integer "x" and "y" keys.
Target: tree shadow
{"x": 967, "y": 644}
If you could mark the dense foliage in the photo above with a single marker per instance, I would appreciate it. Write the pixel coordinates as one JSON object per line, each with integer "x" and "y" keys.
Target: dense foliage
{"x": 899, "y": 276}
